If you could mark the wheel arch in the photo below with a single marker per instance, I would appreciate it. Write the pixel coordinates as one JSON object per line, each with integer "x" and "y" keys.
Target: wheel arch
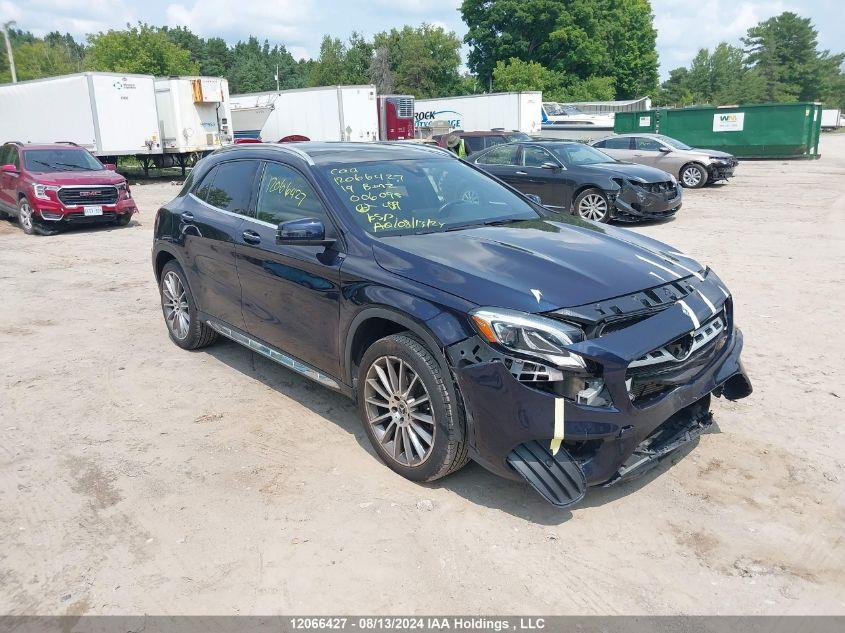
{"x": 372, "y": 324}
{"x": 581, "y": 189}
{"x": 160, "y": 260}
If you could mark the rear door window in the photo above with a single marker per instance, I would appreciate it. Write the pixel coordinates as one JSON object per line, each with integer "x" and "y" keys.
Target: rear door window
{"x": 230, "y": 186}
{"x": 616, "y": 143}
{"x": 500, "y": 155}
{"x": 491, "y": 141}
{"x": 533, "y": 156}
{"x": 474, "y": 143}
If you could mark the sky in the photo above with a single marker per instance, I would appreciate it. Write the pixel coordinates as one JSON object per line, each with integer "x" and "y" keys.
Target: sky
{"x": 682, "y": 26}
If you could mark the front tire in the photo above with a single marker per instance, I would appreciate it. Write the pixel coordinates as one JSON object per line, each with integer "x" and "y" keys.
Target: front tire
{"x": 123, "y": 220}
{"x": 26, "y": 216}
{"x": 592, "y": 204}
{"x": 412, "y": 420}
{"x": 693, "y": 176}
{"x": 180, "y": 312}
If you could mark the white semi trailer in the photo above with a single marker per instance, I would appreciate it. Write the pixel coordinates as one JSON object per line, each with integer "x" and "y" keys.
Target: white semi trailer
{"x": 109, "y": 114}
{"x": 520, "y": 111}
{"x": 326, "y": 113}
{"x": 194, "y": 119}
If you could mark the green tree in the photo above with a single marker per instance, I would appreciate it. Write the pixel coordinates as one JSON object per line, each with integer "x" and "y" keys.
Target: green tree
{"x": 330, "y": 69}
{"x": 359, "y": 54}
{"x": 580, "y": 39}
{"x": 139, "y": 49}
{"x": 424, "y": 60}
{"x": 34, "y": 60}
{"x": 216, "y": 60}
{"x": 783, "y": 51}
{"x": 254, "y": 65}
{"x": 516, "y": 75}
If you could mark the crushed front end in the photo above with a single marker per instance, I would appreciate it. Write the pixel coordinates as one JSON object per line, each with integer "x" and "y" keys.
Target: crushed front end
{"x": 638, "y": 200}
{"x": 651, "y": 361}
{"x": 721, "y": 168}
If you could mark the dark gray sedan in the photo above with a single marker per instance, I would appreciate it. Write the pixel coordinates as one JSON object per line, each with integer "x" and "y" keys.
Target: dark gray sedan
{"x": 577, "y": 178}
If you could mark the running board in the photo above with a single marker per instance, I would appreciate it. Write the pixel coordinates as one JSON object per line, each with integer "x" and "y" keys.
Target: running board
{"x": 556, "y": 477}
{"x": 274, "y": 354}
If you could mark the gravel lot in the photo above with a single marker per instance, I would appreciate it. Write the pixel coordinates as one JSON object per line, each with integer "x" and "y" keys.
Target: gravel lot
{"x": 139, "y": 478}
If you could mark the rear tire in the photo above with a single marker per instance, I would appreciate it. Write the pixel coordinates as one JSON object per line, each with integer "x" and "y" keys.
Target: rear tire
{"x": 693, "y": 176}
{"x": 180, "y": 312}
{"x": 592, "y": 204}
{"x": 413, "y": 422}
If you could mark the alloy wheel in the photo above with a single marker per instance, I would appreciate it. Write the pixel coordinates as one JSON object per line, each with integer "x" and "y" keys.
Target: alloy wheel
{"x": 399, "y": 411}
{"x": 592, "y": 207}
{"x": 691, "y": 176}
{"x": 175, "y": 304}
{"x": 25, "y": 215}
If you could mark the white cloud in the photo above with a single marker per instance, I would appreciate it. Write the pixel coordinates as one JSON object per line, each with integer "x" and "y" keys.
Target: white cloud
{"x": 67, "y": 16}
{"x": 278, "y": 20}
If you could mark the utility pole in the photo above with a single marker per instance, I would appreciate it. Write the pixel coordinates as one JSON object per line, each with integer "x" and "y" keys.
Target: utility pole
{"x": 277, "y": 78}
{"x": 9, "y": 54}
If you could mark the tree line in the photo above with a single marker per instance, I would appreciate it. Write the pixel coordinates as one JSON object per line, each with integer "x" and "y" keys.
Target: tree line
{"x": 572, "y": 50}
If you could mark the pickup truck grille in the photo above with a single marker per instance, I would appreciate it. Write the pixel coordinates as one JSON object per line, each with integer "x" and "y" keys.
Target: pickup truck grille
{"x": 77, "y": 196}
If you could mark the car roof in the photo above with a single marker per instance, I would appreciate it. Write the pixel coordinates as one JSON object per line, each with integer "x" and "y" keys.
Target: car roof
{"x": 325, "y": 153}
{"x": 26, "y": 146}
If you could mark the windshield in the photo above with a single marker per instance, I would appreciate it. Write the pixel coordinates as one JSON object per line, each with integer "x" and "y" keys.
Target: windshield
{"x": 423, "y": 196}
{"x": 40, "y": 160}
{"x": 578, "y": 154}
{"x": 673, "y": 142}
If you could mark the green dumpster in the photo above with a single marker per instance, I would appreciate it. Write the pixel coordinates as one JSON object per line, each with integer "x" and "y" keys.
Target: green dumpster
{"x": 770, "y": 130}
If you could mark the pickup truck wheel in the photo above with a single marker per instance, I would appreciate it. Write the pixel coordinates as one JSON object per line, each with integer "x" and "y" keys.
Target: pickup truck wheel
{"x": 693, "y": 176}
{"x": 407, "y": 411}
{"x": 123, "y": 220}
{"x": 25, "y": 216}
{"x": 180, "y": 312}
{"x": 591, "y": 204}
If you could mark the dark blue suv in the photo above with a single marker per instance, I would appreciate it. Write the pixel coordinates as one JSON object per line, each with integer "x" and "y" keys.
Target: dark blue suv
{"x": 468, "y": 321}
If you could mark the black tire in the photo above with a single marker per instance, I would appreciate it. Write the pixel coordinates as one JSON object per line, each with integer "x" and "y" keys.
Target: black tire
{"x": 585, "y": 208}
{"x": 197, "y": 334}
{"x": 693, "y": 176}
{"x": 123, "y": 220}
{"x": 26, "y": 217}
{"x": 448, "y": 449}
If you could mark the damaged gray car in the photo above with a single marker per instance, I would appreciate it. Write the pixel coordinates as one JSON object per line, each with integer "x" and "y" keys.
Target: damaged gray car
{"x": 573, "y": 177}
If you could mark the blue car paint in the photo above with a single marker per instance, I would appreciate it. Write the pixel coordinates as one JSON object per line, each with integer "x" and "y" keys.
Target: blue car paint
{"x": 409, "y": 280}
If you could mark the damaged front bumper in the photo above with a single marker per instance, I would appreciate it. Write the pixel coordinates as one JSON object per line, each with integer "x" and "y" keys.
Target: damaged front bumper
{"x": 721, "y": 170}
{"x": 645, "y": 201}
{"x": 560, "y": 445}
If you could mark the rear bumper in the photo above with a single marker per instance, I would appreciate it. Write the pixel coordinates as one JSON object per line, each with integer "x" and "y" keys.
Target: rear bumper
{"x": 504, "y": 413}
{"x": 632, "y": 204}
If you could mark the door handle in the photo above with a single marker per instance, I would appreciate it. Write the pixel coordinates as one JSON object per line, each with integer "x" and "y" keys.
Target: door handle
{"x": 522, "y": 173}
{"x": 251, "y": 237}
{"x": 187, "y": 216}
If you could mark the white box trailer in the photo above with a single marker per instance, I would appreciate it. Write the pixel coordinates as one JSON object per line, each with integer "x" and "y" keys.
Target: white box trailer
{"x": 326, "y": 113}
{"x": 110, "y": 114}
{"x": 194, "y": 114}
{"x": 509, "y": 110}
{"x": 831, "y": 118}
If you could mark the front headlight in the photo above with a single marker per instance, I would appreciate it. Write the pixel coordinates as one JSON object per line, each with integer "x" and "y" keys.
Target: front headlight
{"x": 40, "y": 191}
{"x": 530, "y": 335}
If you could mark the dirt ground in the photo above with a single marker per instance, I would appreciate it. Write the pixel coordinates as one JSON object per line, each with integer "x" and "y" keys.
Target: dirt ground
{"x": 139, "y": 478}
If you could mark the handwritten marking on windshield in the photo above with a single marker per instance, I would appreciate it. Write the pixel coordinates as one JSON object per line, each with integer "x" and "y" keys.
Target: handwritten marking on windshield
{"x": 537, "y": 294}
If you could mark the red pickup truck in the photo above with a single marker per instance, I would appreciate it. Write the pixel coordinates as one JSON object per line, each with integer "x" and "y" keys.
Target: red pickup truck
{"x": 47, "y": 187}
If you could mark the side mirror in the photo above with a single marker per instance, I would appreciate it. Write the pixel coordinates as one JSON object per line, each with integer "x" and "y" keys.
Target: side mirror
{"x": 551, "y": 165}
{"x": 665, "y": 150}
{"x": 304, "y": 231}
{"x": 533, "y": 197}
{"x": 110, "y": 166}
{"x": 9, "y": 169}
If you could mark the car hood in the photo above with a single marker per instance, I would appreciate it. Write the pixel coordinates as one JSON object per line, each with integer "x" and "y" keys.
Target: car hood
{"x": 534, "y": 266}
{"x": 65, "y": 178}
{"x": 711, "y": 152}
{"x": 627, "y": 170}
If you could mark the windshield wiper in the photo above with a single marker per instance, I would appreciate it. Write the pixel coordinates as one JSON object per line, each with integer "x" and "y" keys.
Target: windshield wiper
{"x": 504, "y": 221}
{"x": 49, "y": 165}
{"x": 76, "y": 167}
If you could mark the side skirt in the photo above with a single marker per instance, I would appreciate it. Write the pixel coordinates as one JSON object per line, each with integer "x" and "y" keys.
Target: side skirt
{"x": 278, "y": 356}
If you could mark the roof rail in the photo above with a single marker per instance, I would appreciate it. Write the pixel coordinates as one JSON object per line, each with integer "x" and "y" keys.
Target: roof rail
{"x": 13, "y": 143}
{"x": 66, "y": 143}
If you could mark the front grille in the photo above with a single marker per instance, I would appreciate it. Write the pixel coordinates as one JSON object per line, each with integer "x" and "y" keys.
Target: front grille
{"x": 79, "y": 218}
{"x": 78, "y": 196}
{"x": 657, "y": 187}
